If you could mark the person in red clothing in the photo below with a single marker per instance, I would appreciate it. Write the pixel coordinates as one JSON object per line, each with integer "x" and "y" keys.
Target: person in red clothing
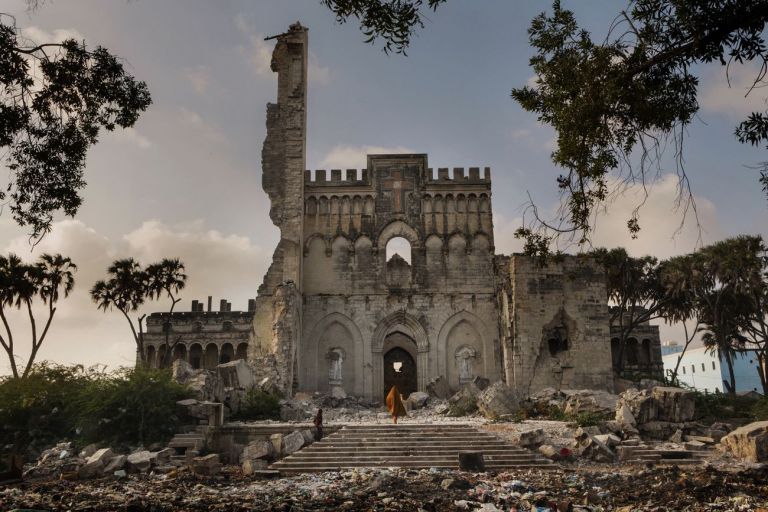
{"x": 395, "y": 404}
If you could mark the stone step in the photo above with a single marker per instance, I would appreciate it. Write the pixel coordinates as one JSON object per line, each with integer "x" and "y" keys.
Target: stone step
{"x": 320, "y": 450}
{"x": 410, "y": 446}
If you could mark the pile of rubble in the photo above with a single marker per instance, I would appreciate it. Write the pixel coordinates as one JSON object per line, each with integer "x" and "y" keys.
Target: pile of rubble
{"x": 63, "y": 462}
{"x": 619, "y": 490}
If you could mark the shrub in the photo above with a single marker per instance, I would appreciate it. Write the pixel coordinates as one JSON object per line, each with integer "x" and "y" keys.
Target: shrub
{"x": 759, "y": 409}
{"x": 258, "y": 405}
{"x": 56, "y": 403}
{"x": 132, "y": 406}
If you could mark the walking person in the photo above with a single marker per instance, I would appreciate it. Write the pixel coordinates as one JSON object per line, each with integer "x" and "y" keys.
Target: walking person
{"x": 319, "y": 425}
{"x": 395, "y": 404}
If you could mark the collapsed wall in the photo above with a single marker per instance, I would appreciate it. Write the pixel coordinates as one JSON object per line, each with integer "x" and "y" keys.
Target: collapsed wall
{"x": 557, "y": 325}
{"x": 277, "y": 318}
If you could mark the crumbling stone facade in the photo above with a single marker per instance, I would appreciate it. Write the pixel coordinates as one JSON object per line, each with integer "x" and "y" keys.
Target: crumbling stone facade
{"x": 555, "y": 324}
{"x": 204, "y": 339}
{"x": 339, "y": 312}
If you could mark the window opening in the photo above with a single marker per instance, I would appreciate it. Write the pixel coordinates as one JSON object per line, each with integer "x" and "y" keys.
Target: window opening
{"x": 400, "y": 246}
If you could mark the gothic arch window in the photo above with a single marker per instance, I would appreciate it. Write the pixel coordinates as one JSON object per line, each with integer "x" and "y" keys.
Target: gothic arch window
{"x": 400, "y": 246}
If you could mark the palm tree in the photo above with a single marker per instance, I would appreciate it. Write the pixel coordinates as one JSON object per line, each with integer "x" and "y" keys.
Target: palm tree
{"x": 166, "y": 277}
{"x": 124, "y": 289}
{"x": 20, "y": 283}
{"x": 51, "y": 274}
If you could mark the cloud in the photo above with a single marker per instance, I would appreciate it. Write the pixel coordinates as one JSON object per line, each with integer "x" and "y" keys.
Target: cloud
{"x": 354, "y": 157}
{"x": 716, "y": 95}
{"x": 661, "y": 233}
{"x": 205, "y": 129}
{"x": 131, "y": 136}
{"x": 259, "y": 55}
{"x": 520, "y": 133}
{"x": 219, "y": 264}
{"x": 317, "y": 74}
{"x": 199, "y": 77}
{"x": 36, "y": 35}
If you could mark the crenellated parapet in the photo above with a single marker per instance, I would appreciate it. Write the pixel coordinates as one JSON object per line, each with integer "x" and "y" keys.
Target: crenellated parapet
{"x": 337, "y": 178}
{"x": 459, "y": 176}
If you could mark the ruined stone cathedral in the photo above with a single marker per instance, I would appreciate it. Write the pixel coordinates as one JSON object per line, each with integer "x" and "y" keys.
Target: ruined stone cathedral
{"x": 336, "y": 309}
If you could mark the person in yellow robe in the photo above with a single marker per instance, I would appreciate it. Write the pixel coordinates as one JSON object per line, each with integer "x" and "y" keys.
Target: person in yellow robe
{"x": 395, "y": 404}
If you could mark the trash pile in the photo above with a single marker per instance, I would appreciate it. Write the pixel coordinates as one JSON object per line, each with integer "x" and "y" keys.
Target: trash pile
{"x": 660, "y": 489}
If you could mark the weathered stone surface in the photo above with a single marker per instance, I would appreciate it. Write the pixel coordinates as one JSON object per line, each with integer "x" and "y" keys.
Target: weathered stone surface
{"x": 749, "y": 442}
{"x": 550, "y": 451}
{"x": 258, "y": 450}
{"x": 624, "y": 415}
{"x": 591, "y": 448}
{"x": 89, "y": 450}
{"x": 250, "y": 466}
{"x": 90, "y": 470}
{"x": 677, "y": 437}
{"x": 103, "y": 456}
{"x": 277, "y": 444}
{"x": 140, "y": 461}
{"x": 418, "y": 399}
{"x": 464, "y": 401}
{"x": 608, "y": 440}
{"x": 674, "y": 404}
{"x": 309, "y": 436}
{"x": 590, "y": 401}
{"x": 438, "y": 387}
{"x": 531, "y": 438}
{"x": 207, "y": 465}
{"x": 481, "y": 382}
{"x": 471, "y": 461}
{"x": 498, "y": 400}
{"x": 338, "y": 393}
{"x": 292, "y": 442}
{"x": 117, "y": 462}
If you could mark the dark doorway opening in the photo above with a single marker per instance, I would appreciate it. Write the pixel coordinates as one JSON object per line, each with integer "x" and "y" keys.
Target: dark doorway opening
{"x": 400, "y": 371}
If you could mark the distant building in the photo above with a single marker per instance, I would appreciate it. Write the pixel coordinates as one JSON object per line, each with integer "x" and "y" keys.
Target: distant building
{"x": 642, "y": 352}
{"x": 704, "y": 371}
{"x": 204, "y": 339}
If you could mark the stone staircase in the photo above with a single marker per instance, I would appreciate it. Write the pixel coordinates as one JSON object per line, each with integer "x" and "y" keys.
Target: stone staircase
{"x": 407, "y": 446}
{"x": 643, "y": 453}
{"x": 186, "y": 446}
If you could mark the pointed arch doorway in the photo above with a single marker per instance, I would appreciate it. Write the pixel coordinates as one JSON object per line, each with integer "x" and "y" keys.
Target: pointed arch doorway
{"x": 399, "y": 370}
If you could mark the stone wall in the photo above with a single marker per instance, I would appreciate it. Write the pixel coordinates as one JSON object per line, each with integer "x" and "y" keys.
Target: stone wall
{"x": 559, "y": 325}
{"x": 283, "y": 164}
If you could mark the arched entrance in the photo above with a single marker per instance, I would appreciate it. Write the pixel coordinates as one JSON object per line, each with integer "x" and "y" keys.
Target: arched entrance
{"x": 400, "y": 371}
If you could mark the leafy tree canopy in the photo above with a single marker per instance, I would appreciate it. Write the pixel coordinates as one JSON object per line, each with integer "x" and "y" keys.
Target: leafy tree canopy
{"x": 631, "y": 93}
{"x": 55, "y": 99}
{"x": 393, "y": 21}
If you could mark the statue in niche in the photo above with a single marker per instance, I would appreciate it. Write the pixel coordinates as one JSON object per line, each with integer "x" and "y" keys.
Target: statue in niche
{"x": 335, "y": 366}
{"x": 465, "y": 357}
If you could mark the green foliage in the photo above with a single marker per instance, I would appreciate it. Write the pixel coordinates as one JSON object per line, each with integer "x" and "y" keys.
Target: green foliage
{"x": 394, "y": 21}
{"x": 259, "y": 405}
{"x": 130, "y": 407}
{"x": 630, "y": 91}
{"x": 56, "y": 99}
{"x": 55, "y": 403}
{"x": 711, "y": 407}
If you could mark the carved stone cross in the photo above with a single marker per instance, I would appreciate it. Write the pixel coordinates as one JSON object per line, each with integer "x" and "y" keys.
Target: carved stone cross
{"x": 399, "y": 187}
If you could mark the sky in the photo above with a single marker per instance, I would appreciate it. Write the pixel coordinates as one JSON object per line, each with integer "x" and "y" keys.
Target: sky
{"x": 185, "y": 181}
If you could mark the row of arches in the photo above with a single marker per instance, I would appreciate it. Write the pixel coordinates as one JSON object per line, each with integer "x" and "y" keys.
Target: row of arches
{"x": 206, "y": 356}
{"x": 636, "y": 353}
{"x": 479, "y": 241}
{"x": 399, "y": 353}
